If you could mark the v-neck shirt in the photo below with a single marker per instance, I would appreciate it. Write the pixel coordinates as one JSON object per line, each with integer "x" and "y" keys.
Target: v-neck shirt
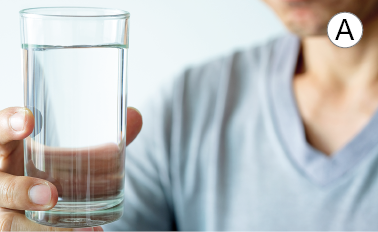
{"x": 319, "y": 167}
{"x": 223, "y": 148}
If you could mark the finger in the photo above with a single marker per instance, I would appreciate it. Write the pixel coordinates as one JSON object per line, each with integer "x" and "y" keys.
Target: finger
{"x": 11, "y": 221}
{"x": 97, "y": 228}
{"x": 26, "y": 193}
{"x": 12, "y": 158}
{"x": 134, "y": 124}
{"x": 16, "y": 123}
{"x": 35, "y": 172}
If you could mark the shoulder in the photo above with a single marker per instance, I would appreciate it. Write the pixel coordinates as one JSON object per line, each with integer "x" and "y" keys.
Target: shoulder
{"x": 241, "y": 70}
{"x": 237, "y": 64}
{"x": 228, "y": 83}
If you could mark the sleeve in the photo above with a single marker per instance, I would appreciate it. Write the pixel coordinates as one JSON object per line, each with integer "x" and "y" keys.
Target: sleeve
{"x": 148, "y": 201}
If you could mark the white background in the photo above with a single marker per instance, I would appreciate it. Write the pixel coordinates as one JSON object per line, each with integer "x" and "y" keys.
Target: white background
{"x": 165, "y": 37}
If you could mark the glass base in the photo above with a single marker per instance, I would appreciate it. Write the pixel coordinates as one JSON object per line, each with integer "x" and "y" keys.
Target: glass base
{"x": 80, "y": 218}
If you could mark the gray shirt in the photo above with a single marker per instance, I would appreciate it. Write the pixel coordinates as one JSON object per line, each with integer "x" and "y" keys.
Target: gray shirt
{"x": 223, "y": 148}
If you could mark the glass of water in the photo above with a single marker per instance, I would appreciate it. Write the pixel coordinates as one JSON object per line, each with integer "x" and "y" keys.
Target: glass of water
{"x": 74, "y": 73}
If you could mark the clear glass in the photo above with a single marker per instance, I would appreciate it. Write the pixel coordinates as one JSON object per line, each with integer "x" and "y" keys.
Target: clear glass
{"x": 74, "y": 73}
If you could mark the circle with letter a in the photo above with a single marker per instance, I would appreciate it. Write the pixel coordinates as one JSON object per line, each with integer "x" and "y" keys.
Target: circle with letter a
{"x": 345, "y": 30}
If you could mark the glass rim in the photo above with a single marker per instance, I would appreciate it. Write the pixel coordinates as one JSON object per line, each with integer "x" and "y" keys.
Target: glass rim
{"x": 37, "y": 12}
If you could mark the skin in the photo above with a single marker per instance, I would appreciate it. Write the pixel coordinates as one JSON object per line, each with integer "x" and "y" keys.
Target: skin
{"x": 336, "y": 89}
{"x": 14, "y": 187}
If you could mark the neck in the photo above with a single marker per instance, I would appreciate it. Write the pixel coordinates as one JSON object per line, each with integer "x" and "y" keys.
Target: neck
{"x": 342, "y": 67}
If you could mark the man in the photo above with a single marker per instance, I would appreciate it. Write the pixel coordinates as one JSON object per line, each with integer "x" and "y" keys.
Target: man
{"x": 279, "y": 137}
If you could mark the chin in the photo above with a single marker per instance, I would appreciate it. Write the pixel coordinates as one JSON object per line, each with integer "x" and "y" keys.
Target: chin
{"x": 311, "y": 17}
{"x": 307, "y": 21}
{"x": 307, "y": 26}
{"x": 305, "y": 17}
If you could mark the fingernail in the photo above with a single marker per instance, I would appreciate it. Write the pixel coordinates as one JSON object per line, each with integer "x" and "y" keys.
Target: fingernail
{"x": 17, "y": 121}
{"x": 130, "y": 107}
{"x": 98, "y": 228}
{"x": 40, "y": 194}
{"x": 83, "y": 229}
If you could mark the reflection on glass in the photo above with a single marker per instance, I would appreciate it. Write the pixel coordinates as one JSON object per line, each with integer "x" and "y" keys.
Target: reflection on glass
{"x": 74, "y": 72}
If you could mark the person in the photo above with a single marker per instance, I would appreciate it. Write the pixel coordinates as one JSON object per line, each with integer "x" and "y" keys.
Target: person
{"x": 278, "y": 137}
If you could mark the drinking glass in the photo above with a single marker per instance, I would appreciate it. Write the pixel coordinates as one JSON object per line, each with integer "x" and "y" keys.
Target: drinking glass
{"x": 74, "y": 73}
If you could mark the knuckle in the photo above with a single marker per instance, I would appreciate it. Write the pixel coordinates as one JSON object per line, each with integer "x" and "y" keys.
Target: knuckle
{"x": 6, "y": 222}
{"x": 7, "y": 191}
{"x": 5, "y": 150}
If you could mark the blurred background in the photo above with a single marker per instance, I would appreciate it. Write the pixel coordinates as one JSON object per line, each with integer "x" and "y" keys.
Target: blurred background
{"x": 166, "y": 36}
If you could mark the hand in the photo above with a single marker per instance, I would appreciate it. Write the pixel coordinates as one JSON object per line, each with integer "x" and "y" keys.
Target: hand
{"x": 19, "y": 193}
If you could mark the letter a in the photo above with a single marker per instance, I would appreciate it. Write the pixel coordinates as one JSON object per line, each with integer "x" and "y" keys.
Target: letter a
{"x": 340, "y": 30}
